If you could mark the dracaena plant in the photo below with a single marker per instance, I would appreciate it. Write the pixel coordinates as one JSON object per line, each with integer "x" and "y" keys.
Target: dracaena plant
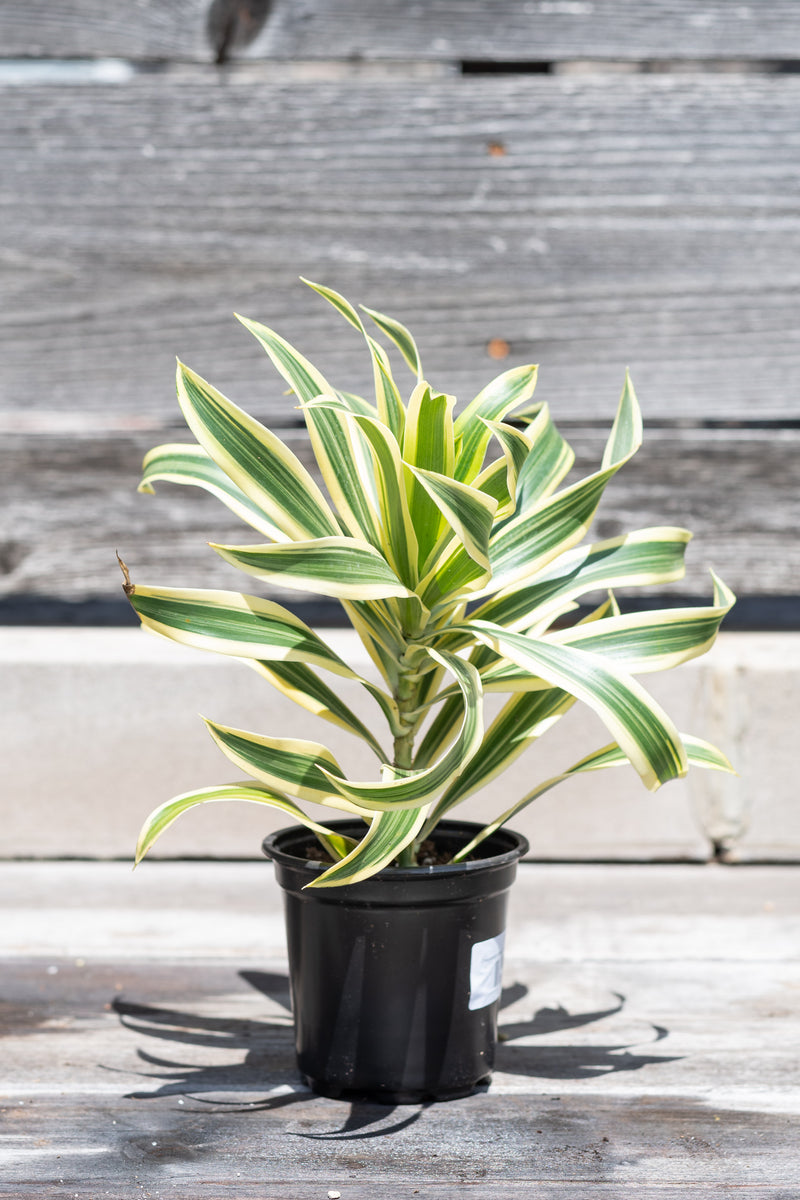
{"x": 458, "y": 558}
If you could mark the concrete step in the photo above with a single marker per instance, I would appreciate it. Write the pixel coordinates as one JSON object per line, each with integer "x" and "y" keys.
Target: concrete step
{"x": 99, "y": 726}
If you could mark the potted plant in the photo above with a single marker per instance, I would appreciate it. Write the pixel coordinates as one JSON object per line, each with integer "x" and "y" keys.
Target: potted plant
{"x": 460, "y": 561}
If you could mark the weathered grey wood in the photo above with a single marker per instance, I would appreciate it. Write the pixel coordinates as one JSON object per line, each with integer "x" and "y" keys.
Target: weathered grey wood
{"x": 653, "y": 1059}
{"x": 167, "y": 912}
{"x": 649, "y": 222}
{"x": 70, "y": 502}
{"x": 146, "y": 30}
{"x": 515, "y": 30}
{"x": 518, "y": 30}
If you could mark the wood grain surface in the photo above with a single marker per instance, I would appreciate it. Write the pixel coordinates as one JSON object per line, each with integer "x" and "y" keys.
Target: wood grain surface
{"x": 587, "y": 222}
{"x": 736, "y": 489}
{"x": 515, "y": 30}
{"x": 646, "y": 1023}
{"x": 650, "y": 223}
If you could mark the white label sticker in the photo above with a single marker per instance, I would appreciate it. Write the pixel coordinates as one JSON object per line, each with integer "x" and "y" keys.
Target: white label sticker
{"x": 486, "y": 972}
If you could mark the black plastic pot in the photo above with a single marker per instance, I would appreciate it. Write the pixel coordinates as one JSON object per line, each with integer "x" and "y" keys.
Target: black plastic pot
{"x": 395, "y": 980}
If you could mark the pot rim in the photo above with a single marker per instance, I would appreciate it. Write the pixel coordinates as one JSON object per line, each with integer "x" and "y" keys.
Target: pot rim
{"x": 517, "y": 847}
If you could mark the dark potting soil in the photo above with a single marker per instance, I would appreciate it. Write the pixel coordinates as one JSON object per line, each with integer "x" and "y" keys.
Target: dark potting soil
{"x": 430, "y": 855}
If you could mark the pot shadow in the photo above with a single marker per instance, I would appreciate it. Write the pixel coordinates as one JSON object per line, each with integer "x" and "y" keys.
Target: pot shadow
{"x": 269, "y": 1052}
{"x": 268, "y": 1046}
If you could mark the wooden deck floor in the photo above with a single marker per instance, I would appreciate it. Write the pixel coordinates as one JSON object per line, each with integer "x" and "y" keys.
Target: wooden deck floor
{"x": 651, "y": 1022}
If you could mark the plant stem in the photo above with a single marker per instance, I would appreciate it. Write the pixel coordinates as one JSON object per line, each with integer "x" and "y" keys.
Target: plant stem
{"x": 406, "y": 697}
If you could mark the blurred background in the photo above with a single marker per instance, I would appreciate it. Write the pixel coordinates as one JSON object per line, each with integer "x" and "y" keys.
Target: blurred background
{"x": 587, "y": 184}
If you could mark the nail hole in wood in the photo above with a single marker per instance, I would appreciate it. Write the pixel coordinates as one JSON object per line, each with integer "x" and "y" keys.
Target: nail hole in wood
{"x": 497, "y": 348}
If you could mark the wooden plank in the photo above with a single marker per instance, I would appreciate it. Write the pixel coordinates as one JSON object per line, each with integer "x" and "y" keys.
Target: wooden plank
{"x": 645, "y": 1019}
{"x": 543, "y": 31}
{"x": 90, "y": 29}
{"x": 515, "y": 30}
{"x": 69, "y": 502}
{"x": 649, "y": 222}
{"x": 177, "y": 914}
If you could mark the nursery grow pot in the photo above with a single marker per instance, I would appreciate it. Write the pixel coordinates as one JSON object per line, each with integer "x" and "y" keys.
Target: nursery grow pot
{"x": 395, "y": 980}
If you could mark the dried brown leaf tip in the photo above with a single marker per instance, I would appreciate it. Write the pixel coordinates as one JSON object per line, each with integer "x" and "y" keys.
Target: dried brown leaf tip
{"x": 127, "y": 586}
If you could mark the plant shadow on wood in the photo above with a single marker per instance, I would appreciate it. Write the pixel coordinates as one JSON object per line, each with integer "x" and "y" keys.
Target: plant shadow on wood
{"x": 566, "y": 1061}
{"x": 269, "y": 1072}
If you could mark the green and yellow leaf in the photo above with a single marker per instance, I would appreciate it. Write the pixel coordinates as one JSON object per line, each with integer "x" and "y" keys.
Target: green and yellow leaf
{"x": 293, "y": 765}
{"x": 257, "y": 461}
{"x": 390, "y": 407}
{"x": 427, "y": 444}
{"x": 343, "y": 567}
{"x": 521, "y": 721}
{"x": 644, "y": 557}
{"x": 345, "y": 464}
{"x": 302, "y": 376}
{"x": 399, "y": 539}
{"x": 192, "y": 464}
{"x": 698, "y": 753}
{"x": 397, "y": 333}
{"x": 549, "y": 461}
{"x": 419, "y": 787}
{"x": 493, "y": 403}
{"x": 637, "y": 722}
{"x": 163, "y": 816}
{"x": 232, "y": 623}
{"x": 389, "y": 833}
{"x": 298, "y": 682}
{"x": 526, "y": 544}
{"x": 652, "y": 641}
{"x": 468, "y": 512}
{"x": 500, "y": 478}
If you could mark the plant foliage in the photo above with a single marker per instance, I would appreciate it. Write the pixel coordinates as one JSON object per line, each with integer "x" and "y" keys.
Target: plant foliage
{"x": 458, "y": 558}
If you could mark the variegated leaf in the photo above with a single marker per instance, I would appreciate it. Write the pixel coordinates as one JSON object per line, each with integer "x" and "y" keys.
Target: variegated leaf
{"x": 652, "y": 640}
{"x": 467, "y": 511}
{"x": 521, "y": 721}
{"x": 346, "y": 468}
{"x": 255, "y": 459}
{"x": 526, "y": 544}
{"x": 452, "y": 576}
{"x": 419, "y": 787}
{"x": 389, "y": 833}
{"x": 232, "y": 623}
{"x": 698, "y": 753}
{"x": 399, "y": 541}
{"x": 300, "y": 683}
{"x": 355, "y": 404}
{"x": 500, "y": 478}
{"x": 390, "y": 407}
{"x": 549, "y": 461}
{"x": 644, "y": 557}
{"x": 301, "y": 375}
{"x": 380, "y": 633}
{"x": 337, "y": 447}
{"x": 176, "y": 463}
{"x": 427, "y": 444}
{"x": 497, "y": 399}
{"x": 334, "y": 566}
{"x": 163, "y": 816}
{"x": 442, "y": 729}
{"x": 637, "y": 722}
{"x": 401, "y": 337}
{"x": 293, "y": 765}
